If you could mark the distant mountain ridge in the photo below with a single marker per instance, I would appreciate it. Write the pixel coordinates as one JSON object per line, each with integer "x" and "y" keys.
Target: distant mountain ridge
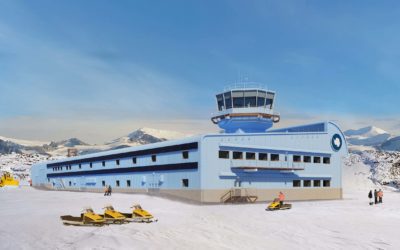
{"x": 372, "y": 138}
{"x": 140, "y": 136}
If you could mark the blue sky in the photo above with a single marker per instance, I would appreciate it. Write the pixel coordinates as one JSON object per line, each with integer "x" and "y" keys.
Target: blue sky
{"x": 98, "y": 69}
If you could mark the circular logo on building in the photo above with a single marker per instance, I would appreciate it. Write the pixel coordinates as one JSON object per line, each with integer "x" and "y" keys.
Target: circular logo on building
{"x": 336, "y": 142}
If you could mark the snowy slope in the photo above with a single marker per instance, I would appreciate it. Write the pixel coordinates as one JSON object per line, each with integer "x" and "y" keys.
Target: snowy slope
{"x": 337, "y": 224}
{"x": 27, "y": 143}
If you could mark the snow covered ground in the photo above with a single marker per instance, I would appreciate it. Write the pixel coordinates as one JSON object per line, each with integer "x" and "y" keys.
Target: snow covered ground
{"x": 29, "y": 219}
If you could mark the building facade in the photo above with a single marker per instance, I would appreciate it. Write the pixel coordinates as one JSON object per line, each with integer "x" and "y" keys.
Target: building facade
{"x": 305, "y": 162}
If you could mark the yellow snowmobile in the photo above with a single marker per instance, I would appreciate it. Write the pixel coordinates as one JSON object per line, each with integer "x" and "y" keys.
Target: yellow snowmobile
{"x": 113, "y": 216}
{"x": 275, "y": 205}
{"x": 139, "y": 215}
{"x": 7, "y": 180}
{"x": 87, "y": 218}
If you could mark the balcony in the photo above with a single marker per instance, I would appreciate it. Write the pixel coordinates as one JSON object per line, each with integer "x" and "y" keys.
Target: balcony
{"x": 256, "y": 165}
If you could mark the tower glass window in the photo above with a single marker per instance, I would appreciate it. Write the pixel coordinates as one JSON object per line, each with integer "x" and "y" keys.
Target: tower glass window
{"x": 261, "y": 98}
{"x": 228, "y": 100}
{"x": 238, "y": 99}
{"x": 220, "y": 102}
{"x": 250, "y": 99}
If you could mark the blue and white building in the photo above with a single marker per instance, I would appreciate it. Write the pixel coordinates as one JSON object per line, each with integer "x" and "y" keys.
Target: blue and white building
{"x": 305, "y": 162}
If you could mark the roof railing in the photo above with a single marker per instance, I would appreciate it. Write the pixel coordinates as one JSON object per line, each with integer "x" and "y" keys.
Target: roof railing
{"x": 245, "y": 85}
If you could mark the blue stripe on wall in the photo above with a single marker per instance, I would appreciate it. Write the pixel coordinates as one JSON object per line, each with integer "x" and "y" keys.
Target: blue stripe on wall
{"x": 165, "y": 167}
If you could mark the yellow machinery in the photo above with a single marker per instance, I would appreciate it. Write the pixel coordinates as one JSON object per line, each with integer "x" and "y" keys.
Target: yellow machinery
{"x": 7, "y": 180}
{"x": 111, "y": 215}
{"x": 87, "y": 218}
{"x": 275, "y": 205}
{"x": 139, "y": 215}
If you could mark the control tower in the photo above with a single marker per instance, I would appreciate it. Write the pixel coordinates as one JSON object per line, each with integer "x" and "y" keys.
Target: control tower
{"x": 245, "y": 108}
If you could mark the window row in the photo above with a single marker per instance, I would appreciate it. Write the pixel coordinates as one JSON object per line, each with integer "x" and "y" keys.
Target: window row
{"x": 185, "y": 155}
{"x": 184, "y": 182}
{"x": 311, "y": 183}
{"x": 237, "y": 155}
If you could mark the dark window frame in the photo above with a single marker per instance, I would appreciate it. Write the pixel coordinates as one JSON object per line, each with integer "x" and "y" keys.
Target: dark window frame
{"x": 185, "y": 183}
{"x": 264, "y": 156}
{"x": 326, "y": 183}
{"x": 307, "y": 159}
{"x": 274, "y": 157}
{"x": 316, "y": 183}
{"x": 296, "y": 183}
{"x": 296, "y": 158}
{"x": 317, "y": 159}
{"x": 237, "y": 155}
{"x": 326, "y": 160}
{"x": 223, "y": 154}
{"x": 306, "y": 183}
{"x": 250, "y": 155}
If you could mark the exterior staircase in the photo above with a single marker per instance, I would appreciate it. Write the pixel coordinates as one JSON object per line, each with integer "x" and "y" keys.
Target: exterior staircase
{"x": 238, "y": 195}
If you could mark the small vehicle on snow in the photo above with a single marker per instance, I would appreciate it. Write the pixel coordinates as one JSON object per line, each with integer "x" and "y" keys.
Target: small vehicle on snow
{"x": 275, "y": 205}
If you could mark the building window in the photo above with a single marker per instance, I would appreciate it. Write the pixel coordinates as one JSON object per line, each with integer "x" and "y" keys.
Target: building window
{"x": 185, "y": 154}
{"x": 154, "y": 158}
{"x": 250, "y": 156}
{"x": 327, "y": 183}
{"x": 128, "y": 183}
{"x": 80, "y": 166}
{"x": 307, "y": 159}
{"x": 103, "y": 183}
{"x": 117, "y": 183}
{"x": 237, "y": 155}
{"x": 117, "y": 162}
{"x": 296, "y": 183}
{"x": 307, "y": 183}
{"x": 263, "y": 156}
{"x": 103, "y": 163}
{"x": 134, "y": 160}
{"x": 317, "y": 159}
{"x": 327, "y": 160}
{"x": 185, "y": 182}
{"x": 91, "y": 165}
{"x": 69, "y": 183}
{"x": 223, "y": 154}
{"x": 317, "y": 183}
{"x": 274, "y": 157}
{"x": 296, "y": 158}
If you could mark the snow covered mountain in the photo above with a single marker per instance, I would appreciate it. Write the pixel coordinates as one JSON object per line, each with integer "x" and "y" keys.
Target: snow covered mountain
{"x": 393, "y": 144}
{"x": 368, "y": 136}
{"x": 59, "y": 148}
{"x": 144, "y": 136}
